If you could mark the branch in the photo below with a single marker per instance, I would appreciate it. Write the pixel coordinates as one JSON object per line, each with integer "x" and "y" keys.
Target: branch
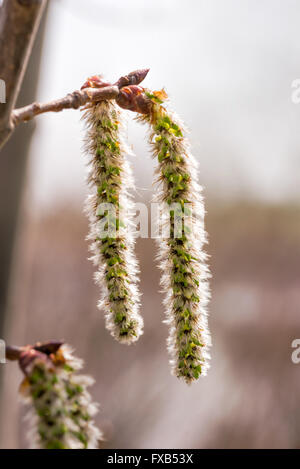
{"x": 14, "y": 353}
{"x": 93, "y": 90}
{"x": 71, "y": 101}
{"x": 19, "y": 21}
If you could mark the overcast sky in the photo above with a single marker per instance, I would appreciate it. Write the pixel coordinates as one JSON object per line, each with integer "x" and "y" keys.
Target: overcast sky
{"x": 227, "y": 65}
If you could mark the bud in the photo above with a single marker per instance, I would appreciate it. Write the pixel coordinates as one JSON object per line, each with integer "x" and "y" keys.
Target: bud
{"x": 134, "y": 99}
{"x": 133, "y": 78}
{"x": 96, "y": 81}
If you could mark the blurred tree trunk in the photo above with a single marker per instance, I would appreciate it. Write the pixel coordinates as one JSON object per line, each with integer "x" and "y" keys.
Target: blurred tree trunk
{"x": 13, "y": 160}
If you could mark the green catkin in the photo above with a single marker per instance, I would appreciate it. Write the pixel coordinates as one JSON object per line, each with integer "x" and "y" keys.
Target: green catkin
{"x": 61, "y": 411}
{"x": 112, "y": 252}
{"x": 182, "y": 259}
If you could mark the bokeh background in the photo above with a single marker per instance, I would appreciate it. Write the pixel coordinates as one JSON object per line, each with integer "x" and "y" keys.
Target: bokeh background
{"x": 228, "y": 68}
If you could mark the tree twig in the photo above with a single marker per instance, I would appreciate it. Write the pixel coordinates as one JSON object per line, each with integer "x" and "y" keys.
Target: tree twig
{"x": 93, "y": 90}
{"x": 71, "y": 101}
{"x": 13, "y": 352}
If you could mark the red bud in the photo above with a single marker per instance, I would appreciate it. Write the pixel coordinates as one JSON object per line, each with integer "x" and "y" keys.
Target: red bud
{"x": 134, "y": 99}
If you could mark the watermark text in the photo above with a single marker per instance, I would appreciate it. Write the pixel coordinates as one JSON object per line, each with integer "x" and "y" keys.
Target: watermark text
{"x": 2, "y": 351}
{"x": 2, "y": 91}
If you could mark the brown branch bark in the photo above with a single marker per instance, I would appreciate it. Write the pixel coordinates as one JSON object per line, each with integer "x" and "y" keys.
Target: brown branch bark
{"x": 13, "y": 352}
{"x": 94, "y": 90}
{"x": 71, "y": 101}
{"x": 19, "y": 21}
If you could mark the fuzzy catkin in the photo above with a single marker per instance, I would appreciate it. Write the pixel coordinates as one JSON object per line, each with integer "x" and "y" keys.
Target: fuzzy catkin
{"x": 182, "y": 259}
{"x": 109, "y": 181}
{"x": 61, "y": 413}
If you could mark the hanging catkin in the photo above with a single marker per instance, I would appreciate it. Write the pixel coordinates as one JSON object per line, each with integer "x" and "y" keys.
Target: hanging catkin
{"x": 108, "y": 207}
{"x": 182, "y": 259}
{"x": 61, "y": 410}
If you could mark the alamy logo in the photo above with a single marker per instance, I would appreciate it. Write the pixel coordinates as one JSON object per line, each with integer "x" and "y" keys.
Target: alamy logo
{"x": 174, "y": 220}
{"x": 296, "y": 353}
{"x": 2, "y": 351}
{"x": 2, "y": 90}
{"x": 295, "y": 96}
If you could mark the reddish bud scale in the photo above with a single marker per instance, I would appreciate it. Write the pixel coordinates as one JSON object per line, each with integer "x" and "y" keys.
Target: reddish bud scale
{"x": 134, "y": 99}
{"x": 95, "y": 82}
{"x": 133, "y": 78}
{"x": 30, "y": 356}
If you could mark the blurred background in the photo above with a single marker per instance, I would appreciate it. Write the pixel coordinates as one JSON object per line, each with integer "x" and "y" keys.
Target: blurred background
{"x": 228, "y": 68}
